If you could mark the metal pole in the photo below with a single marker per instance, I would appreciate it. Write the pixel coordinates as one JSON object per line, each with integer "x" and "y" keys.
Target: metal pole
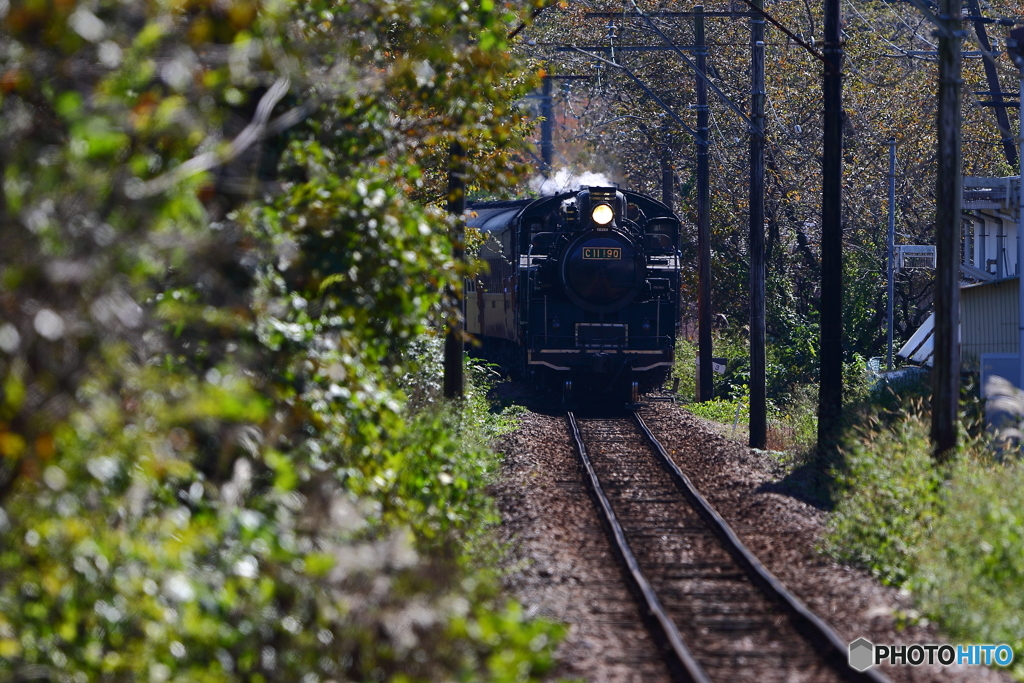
{"x": 949, "y": 196}
{"x": 1020, "y": 242}
{"x": 705, "y": 385}
{"x": 453, "y": 341}
{"x": 758, "y": 400}
{"x": 830, "y": 388}
{"x": 890, "y": 242}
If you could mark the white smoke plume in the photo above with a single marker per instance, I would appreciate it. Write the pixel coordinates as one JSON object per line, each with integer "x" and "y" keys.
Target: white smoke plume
{"x": 565, "y": 180}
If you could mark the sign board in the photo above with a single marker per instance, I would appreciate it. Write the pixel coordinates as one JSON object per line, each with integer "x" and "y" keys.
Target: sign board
{"x": 915, "y": 256}
{"x": 602, "y": 253}
{"x": 717, "y": 364}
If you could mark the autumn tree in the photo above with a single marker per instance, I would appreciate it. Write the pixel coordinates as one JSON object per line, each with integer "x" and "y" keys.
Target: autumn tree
{"x": 889, "y": 92}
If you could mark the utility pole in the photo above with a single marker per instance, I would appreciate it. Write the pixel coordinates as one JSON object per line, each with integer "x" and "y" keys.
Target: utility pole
{"x": 949, "y": 195}
{"x": 667, "y": 186}
{"x": 547, "y": 112}
{"x": 830, "y": 388}
{"x": 705, "y": 385}
{"x": 890, "y": 243}
{"x": 453, "y": 341}
{"x": 758, "y": 401}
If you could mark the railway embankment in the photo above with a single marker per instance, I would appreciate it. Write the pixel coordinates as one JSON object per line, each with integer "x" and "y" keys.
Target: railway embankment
{"x": 562, "y": 567}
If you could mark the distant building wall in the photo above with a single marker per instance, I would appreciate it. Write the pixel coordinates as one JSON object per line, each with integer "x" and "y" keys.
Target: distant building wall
{"x": 989, "y": 238}
{"x": 989, "y": 320}
{"x": 989, "y": 287}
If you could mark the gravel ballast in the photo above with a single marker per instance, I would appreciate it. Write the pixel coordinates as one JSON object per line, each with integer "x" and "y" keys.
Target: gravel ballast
{"x": 563, "y": 568}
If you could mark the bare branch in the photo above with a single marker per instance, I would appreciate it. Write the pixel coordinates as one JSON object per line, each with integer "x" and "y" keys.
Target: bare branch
{"x": 257, "y": 129}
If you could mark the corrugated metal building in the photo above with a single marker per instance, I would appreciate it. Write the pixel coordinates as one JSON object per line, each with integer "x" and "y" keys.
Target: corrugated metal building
{"x": 988, "y": 324}
{"x": 989, "y": 236}
{"x": 988, "y": 319}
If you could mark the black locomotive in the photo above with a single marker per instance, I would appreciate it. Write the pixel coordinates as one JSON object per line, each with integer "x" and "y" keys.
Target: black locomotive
{"x": 582, "y": 290}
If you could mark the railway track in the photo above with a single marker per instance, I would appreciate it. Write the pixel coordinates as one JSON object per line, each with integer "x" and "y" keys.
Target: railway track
{"x": 719, "y": 614}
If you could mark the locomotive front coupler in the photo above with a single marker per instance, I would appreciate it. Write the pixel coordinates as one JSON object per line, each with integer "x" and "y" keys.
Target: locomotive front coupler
{"x": 601, "y": 363}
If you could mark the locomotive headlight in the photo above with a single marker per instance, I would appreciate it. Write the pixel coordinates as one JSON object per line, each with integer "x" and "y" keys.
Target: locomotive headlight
{"x": 646, "y": 327}
{"x": 602, "y": 214}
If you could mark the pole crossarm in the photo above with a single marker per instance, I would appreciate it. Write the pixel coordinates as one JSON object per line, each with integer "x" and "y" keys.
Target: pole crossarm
{"x": 725, "y": 98}
{"x": 789, "y": 34}
{"x": 940, "y": 26}
{"x": 670, "y": 15}
{"x": 646, "y": 89}
{"x": 629, "y": 48}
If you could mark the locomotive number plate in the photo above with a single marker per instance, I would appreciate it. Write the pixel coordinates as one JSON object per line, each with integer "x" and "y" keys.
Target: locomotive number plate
{"x": 602, "y": 253}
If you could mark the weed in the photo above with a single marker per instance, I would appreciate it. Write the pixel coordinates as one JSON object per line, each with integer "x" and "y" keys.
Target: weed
{"x": 971, "y": 566}
{"x": 888, "y": 498}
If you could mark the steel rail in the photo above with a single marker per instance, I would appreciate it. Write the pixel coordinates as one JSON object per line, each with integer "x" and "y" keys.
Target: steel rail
{"x": 813, "y": 627}
{"x": 682, "y": 657}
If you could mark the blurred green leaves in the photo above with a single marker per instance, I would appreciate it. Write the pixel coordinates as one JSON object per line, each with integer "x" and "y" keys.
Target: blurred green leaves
{"x": 208, "y": 469}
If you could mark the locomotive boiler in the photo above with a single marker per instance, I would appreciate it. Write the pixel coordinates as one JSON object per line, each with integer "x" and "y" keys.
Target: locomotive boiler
{"x": 581, "y": 294}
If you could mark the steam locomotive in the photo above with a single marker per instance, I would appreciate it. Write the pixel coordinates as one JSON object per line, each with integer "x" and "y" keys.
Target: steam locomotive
{"x": 581, "y": 294}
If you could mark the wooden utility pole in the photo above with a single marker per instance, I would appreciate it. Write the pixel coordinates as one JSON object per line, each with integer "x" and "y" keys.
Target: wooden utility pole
{"x": 705, "y": 381}
{"x": 890, "y": 243}
{"x": 547, "y": 126}
{"x": 453, "y": 341}
{"x": 758, "y": 401}
{"x": 949, "y": 196}
{"x": 830, "y": 388}
{"x": 667, "y": 185}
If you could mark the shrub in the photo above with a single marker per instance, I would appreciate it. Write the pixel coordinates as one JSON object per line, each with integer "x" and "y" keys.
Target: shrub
{"x": 721, "y": 410}
{"x": 888, "y": 498}
{"x": 971, "y": 565}
{"x": 211, "y": 272}
{"x": 793, "y": 427}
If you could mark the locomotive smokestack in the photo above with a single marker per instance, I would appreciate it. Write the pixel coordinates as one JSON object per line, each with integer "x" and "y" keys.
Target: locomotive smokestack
{"x": 565, "y": 180}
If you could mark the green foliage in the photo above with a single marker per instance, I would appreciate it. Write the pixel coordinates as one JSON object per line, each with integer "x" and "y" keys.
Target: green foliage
{"x": 721, "y": 410}
{"x": 685, "y": 369}
{"x": 793, "y": 426}
{"x": 857, "y": 380}
{"x": 889, "y": 498}
{"x": 952, "y": 533}
{"x": 971, "y": 574}
{"x": 219, "y": 250}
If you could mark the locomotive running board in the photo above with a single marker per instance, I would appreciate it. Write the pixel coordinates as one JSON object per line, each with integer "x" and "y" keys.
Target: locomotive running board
{"x": 531, "y": 361}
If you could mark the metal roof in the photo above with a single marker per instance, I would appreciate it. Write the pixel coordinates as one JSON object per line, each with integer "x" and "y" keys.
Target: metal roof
{"x": 919, "y": 347}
